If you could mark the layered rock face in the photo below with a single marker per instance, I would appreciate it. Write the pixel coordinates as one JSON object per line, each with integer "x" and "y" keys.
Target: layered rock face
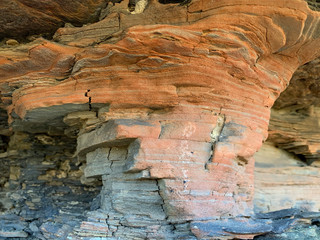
{"x": 42, "y": 197}
{"x": 284, "y": 181}
{"x": 294, "y": 124}
{"x": 21, "y": 18}
{"x": 168, "y": 110}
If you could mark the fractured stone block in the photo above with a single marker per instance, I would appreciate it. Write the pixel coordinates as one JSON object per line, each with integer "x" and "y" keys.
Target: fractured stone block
{"x": 97, "y": 163}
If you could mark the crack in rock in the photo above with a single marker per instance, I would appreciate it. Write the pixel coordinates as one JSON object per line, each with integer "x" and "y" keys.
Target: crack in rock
{"x": 214, "y": 135}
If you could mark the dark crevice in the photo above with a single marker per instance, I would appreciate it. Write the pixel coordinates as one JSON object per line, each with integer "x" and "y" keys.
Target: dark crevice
{"x": 242, "y": 161}
{"x": 162, "y": 204}
{"x": 89, "y": 99}
{"x": 131, "y": 5}
{"x": 115, "y": 1}
{"x": 173, "y": 227}
{"x": 314, "y": 4}
{"x": 90, "y": 107}
{"x": 302, "y": 158}
{"x": 182, "y": 2}
{"x": 213, "y": 146}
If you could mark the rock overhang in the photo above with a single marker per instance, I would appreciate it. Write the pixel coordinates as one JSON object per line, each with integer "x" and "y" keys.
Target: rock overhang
{"x": 178, "y": 80}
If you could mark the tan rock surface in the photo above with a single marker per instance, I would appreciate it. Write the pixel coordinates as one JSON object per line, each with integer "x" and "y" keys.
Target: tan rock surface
{"x": 284, "y": 181}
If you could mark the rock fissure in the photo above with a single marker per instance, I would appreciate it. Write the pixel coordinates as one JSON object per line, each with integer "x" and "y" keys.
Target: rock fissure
{"x": 163, "y": 204}
{"x": 89, "y": 99}
{"x": 153, "y": 161}
{"x": 215, "y": 135}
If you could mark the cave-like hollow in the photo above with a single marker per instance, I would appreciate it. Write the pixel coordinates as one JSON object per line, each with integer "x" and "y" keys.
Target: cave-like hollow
{"x": 145, "y": 123}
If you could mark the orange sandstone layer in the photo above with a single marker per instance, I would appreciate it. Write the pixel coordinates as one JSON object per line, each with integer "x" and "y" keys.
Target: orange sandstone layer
{"x": 207, "y": 84}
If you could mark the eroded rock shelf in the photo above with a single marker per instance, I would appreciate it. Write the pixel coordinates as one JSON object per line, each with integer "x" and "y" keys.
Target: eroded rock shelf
{"x": 141, "y": 119}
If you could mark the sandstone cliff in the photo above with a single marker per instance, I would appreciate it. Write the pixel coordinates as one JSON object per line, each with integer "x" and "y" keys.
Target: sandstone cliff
{"x": 156, "y": 109}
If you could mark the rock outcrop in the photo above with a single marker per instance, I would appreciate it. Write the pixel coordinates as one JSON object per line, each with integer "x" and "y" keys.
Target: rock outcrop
{"x": 168, "y": 103}
{"x": 26, "y": 18}
{"x": 294, "y": 124}
{"x": 284, "y": 181}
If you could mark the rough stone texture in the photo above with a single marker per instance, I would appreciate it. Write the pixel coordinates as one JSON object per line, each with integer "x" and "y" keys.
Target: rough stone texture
{"x": 284, "y": 181}
{"x": 181, "y": 102}
{"x": 291, "y": 224}
{"x": 314, "y": 4}
{"x": 300, "y": 232}
{"x": 43, "y": 197}
{"x": 22, "y": 18}
{"x": 294, "y": 124}
{"x": 298, "y": 132}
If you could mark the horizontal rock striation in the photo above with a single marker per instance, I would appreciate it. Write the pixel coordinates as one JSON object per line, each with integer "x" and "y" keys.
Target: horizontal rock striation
{"x": 297, "y": 132}
{"x": 294, "y": 124}
{"x": 314, "y": 4}
{"x": 21, "y": 18}
{"x": 42, "y": 196}
{"x": 167, "y": 110}
{"x": 284, "y": 181}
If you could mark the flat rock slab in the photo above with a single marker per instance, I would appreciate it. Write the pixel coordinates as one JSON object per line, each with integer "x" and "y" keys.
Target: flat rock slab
{"x": 279, "y": 214}
{"x": 296, "y": 233}
{"x": 226, "y": 228}
{"x": 11, "y": 226}
{"x": 14, "y": 234}
{"x": 117, "y": 132}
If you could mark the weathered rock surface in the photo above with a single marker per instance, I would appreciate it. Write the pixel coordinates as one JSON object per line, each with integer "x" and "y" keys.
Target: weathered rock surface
{"x": 299, "y": 232}
{"x": 284, "y": 181}
{"x": 292, "y": 224}
{"x": 314, "y": 4}
{"x": 22, "y": 18}
{"x": 294, "y": 124}
{"x": 43, "y": 197}
{"x": 180, "y": 103}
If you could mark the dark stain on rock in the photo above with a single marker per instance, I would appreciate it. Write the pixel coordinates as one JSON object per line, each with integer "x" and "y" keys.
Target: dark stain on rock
{"x": 231, "y": 129}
